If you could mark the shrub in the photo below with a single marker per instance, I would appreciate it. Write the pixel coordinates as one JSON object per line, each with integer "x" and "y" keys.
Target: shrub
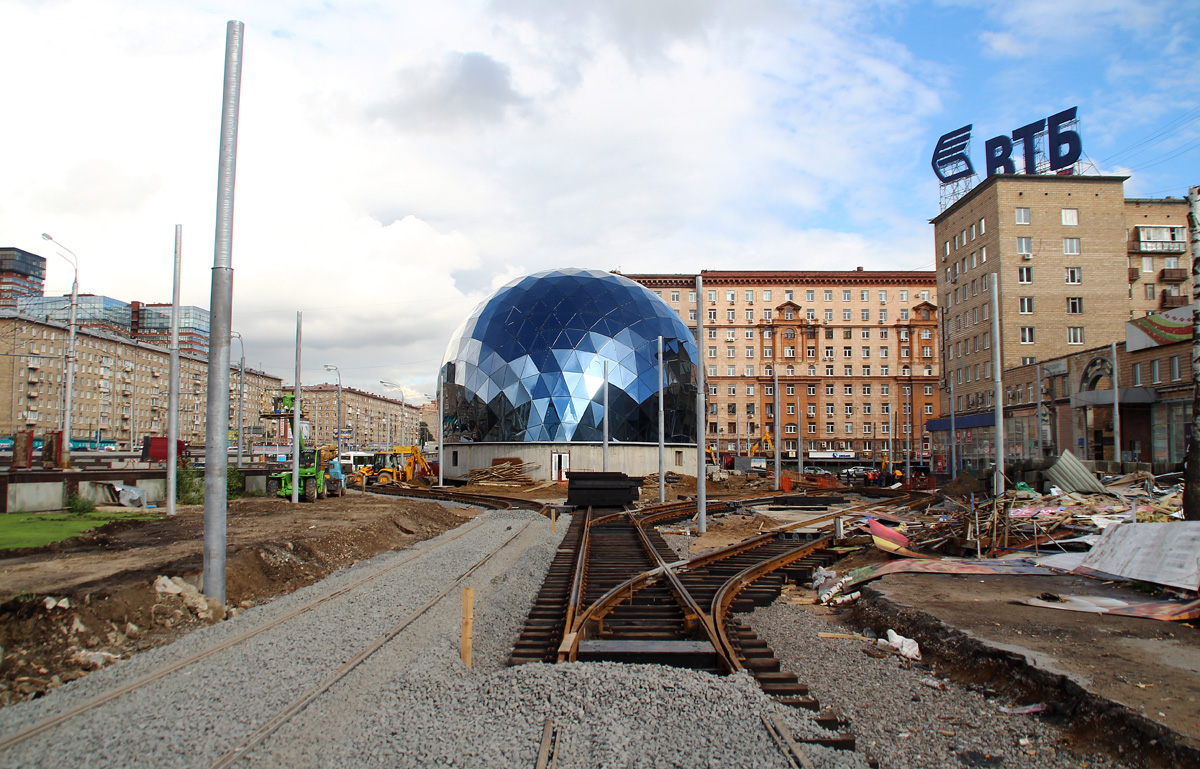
{"x": 80, "y": 505}
{"x": 235, "y": 483}
{"x": 189, "y": 486}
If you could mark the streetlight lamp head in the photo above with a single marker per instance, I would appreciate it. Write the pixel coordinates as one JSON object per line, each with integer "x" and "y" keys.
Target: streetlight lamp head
{"x": 330, "y": 368}
{"x": 46, "y": 236}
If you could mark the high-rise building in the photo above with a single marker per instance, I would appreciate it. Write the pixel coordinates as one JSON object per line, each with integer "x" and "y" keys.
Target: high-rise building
{"x": 1072, "y": 260}
{"x": 151, "y": 323}
{"x": 856, "y": 354}
{"x": 22, "y": 274}
{"x": 102, "y": 313}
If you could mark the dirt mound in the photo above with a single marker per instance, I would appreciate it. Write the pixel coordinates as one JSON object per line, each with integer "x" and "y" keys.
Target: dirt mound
{"x": 79, "y": 605}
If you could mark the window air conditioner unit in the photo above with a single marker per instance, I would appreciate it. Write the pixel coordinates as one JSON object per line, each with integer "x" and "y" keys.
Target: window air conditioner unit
{"x": 1027, "y": 257}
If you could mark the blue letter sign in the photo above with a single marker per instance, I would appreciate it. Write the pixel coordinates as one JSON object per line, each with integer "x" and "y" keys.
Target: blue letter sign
{"x": 950, "y": 161}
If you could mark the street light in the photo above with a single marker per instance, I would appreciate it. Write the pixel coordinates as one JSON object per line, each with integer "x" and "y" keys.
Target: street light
{"x": 241, "y": 390}
{"x": 66, "y": 420}
{"x": 403, "y": 405}
{"x": 328, "y": 367}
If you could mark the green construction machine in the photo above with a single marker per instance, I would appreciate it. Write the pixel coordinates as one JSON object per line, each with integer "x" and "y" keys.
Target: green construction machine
{"x": 320, "y": 469}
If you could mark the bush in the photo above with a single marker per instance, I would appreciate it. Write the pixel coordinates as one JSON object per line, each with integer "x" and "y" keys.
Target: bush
{"x": 80, "y": 505}
{"x": 189, "y": 486}
{"x": 235, "y": 483}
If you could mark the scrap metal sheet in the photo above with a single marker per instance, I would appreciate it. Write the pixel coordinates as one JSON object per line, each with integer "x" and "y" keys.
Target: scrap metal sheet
{"x": 1162, "y": 553}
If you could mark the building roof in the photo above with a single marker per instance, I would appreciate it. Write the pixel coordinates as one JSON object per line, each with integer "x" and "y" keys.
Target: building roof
{"x": 995, "y": 179}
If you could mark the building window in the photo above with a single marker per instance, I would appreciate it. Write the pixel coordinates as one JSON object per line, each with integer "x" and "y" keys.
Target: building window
{"x": 712, "y": 352}
{"x": 1074, "y": 305}
{"x": 1151, "y": 290}
{"x": 883, "y": 316}
{"x": 828, "y": 316}
{"x": 1074, "y": 275}
{"x": 1174, "y": 362}
{"x": 1026, "y": 334}
{"x": 1070, "y": 216}
{"x": 1071, "y": 246}
{"x": 829, "y": 428}
{"x": 1025, "y": 246}
{"x": 1137, "y": 375}
{"x": 1075, "y": 335}
{"x": 829, "y": 370}
{"x": 767, "y": 295}
{"x": 1155, "y": 372}
{"x": 674, "y": 296}
{"x": 1024, "y": 274}
{"x": 1022, "y": 216}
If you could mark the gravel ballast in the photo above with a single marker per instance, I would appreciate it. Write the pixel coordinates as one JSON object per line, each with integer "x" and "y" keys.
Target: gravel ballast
{"x": 907, "y": 715}
{"x": 414, "y": 702}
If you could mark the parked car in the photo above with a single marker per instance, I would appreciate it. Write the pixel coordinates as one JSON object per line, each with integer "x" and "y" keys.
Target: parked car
{"x": 854, "y": 473}
{"x": 816, "y": 471}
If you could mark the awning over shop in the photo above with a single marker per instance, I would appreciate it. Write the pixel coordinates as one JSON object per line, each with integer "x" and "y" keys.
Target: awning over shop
{"x": 962, "y": 422}
{"x": 1130, "y": 395}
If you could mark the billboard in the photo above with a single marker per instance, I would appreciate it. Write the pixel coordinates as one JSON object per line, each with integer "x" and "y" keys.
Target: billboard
{"x": 1159, "y": 329}
{"x": 1052, "y": 138}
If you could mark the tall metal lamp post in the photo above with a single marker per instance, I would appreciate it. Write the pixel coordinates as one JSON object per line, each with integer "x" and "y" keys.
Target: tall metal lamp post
{"x": 66, "y": 420}
{"x": 241, "y": 392}
{"x": 403, "y": 405}
{"x": 329, "y": 367}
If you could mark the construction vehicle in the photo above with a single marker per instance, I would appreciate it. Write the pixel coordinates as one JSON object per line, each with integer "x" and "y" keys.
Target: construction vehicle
{"x": 316, "y": 481}
{"x": 712, "y": 455}
{"x": 400, "y": 463}
{"x": 763, "y": 447}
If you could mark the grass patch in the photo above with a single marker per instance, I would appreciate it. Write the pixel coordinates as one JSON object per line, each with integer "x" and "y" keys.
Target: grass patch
{"x": 20, "y": 530}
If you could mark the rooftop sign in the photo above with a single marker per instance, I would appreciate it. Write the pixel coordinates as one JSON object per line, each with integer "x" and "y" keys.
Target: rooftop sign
{"x": 951, "y": 161}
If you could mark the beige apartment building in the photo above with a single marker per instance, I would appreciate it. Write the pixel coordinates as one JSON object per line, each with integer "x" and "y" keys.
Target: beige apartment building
{"x": 856, "y": 353}
{"x": 1072, "y": 259}
{"x": 369, "y": 421}
{"x": 121, "y": 387}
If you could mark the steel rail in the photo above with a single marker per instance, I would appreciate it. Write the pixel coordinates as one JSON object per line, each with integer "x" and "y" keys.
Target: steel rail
{"x": 578, "y": 629}
{"x": 492, "y": 502}
{"x": 95, "y": 702}
{"x": 743, "y": 579}
{"x": 579, "y": 575}
{"x": 548, "y": 751}
{"x": 693, "y": 614}
{"x": 300, "y": 703}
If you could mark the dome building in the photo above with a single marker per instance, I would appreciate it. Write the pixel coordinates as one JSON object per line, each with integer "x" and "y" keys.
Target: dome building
{"x": 523, "y": 376}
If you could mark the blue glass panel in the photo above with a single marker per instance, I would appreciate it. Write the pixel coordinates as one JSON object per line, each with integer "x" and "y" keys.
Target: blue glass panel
{"x": 527, "y": 364}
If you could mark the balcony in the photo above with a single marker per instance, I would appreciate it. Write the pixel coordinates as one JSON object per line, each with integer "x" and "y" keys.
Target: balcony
{"x": 1157, "y": 247}
{"x": 1173, "y": 275}
{"x": 1134, "y": 274}
{"x": 1170, "y": 302}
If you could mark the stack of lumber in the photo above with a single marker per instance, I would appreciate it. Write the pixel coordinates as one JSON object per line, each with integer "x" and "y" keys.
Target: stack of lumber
{"x": 505, "y": 474}
{"x": 652, "y": 480}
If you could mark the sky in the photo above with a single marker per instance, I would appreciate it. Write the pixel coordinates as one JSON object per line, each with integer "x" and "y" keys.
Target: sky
{"x": 397, "y": 162}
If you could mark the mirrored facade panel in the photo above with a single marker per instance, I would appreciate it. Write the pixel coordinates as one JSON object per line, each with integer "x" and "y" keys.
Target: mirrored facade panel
{"x": 528, "y": 363}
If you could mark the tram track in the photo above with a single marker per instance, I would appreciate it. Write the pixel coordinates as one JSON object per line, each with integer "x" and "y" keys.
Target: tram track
{"x": 631, "y": 599}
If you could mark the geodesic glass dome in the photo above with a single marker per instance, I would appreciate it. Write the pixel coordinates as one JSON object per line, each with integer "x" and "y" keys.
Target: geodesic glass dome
{"x": 528, "y": 363}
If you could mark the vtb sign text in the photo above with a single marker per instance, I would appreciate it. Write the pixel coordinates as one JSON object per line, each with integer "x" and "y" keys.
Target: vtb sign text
{"x": 1063, "y": 147}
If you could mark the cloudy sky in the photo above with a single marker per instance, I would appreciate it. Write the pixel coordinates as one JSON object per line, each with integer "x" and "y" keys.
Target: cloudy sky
{"x": 398, "y": 161}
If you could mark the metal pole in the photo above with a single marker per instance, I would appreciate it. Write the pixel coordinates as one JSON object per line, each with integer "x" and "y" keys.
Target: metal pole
{"x": 64, "y": 451}
{"x": 606, "y": 416}
{"x": 908, "y": 430}
{"x": 775, "y": 429}
{"x": 216, "y": 455}
{"x": 241, "y": 404}
{"x": 296, "y": 416}
{"x": 662, "y": 449}
{"x": 1191, "y": 467}
{"x": 173, "y": 380}
{"x": 1116, "y": 385}
{"x": 441, "y": 429}
{"x": 339, "y": 419}
{"x": 953, "y": 434}
{"x": 799, "y": 437}
{"x": 1041, "y": 453}
{"x": 701, "y": 415}
{"x": 998, "y": 389}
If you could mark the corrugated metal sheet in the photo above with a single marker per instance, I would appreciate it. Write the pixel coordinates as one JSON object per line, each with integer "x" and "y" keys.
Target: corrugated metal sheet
{"x": 1069, "y": 474}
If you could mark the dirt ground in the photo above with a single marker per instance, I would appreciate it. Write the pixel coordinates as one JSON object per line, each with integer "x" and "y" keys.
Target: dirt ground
{"x": 101, "y": 584}
{"x": 973, "y": 625}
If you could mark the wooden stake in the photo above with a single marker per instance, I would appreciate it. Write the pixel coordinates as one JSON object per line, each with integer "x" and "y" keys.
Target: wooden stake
{"x": 468, "y": 624}
{"x": 554, "y": 519}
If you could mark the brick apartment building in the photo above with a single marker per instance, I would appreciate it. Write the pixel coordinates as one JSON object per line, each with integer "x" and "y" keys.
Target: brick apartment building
{"x": 856, "y": 353}
{"x": 1073, "y": 260}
